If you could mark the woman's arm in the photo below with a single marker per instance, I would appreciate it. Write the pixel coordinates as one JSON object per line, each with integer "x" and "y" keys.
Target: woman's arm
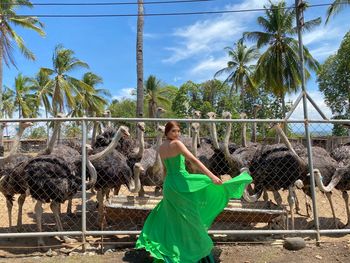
{"x": 189, "y": 156}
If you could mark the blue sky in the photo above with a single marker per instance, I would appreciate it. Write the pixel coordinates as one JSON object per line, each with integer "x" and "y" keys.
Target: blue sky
{"x": 176, "y": 48}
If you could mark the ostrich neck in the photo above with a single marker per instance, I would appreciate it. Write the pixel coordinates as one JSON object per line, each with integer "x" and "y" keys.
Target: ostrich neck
{"x": 244, "y": 135}
{"x": 53, "y": 138}
{"x": 158, "y": 162}
{"x": 141, "y": 144}
{"x": 214, "y": 136}
{"x": 335, "y": 180}
{"x": 135, "y": 186}
{"x": 194, "y": 143}
{"x": 226, "y": 141}
{"x": 284, "y": 138}
{"x": 108, "y": 149}
{"x": 17, "y": 141}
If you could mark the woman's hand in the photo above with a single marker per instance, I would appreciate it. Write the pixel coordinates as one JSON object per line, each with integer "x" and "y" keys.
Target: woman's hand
{"x": 216, "y": 180}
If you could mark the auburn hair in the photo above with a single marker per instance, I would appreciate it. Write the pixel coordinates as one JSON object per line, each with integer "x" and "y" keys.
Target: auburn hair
{"x": 170, "y": 125}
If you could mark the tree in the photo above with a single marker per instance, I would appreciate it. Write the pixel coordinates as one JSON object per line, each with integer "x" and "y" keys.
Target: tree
{"x": 8, "y": 99}
{"x": 64, "y": 86}
{"x": 336, "y": 7}
{"x": 8, "y": 37}
{"x": 156, "y": 95}
{"x": 24, "y": 99}
{"x": 139, "y": 59}
{"x": 334, "y": 82}
{"x": 90, "y": 102}
{"x": 239, "y": 69}
{"x": 278, "y": 67}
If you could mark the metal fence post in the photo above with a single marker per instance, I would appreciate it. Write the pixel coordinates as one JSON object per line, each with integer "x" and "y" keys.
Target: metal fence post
{"x": 300, "y": 22}
{"x": 83, "y": 210}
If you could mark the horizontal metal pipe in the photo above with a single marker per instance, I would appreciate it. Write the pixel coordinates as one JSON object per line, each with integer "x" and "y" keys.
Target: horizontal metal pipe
{"x": 41, "y": 234}
{"x": 178, "y": 120}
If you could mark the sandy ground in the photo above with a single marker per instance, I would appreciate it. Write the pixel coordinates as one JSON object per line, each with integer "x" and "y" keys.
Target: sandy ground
{"x": 245, "y": 248}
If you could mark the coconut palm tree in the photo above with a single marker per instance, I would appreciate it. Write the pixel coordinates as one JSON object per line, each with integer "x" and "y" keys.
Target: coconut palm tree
{"x": 155, "y": 94}
{"x": 278, "y": 67}
{"x": 240, "y": 69}
{"x": 93, "y": 103}
{"x": 24, "y": 99}
{"x": 8, "y": 99}
{"x": 65, "y": 87}
{"x": 43, "y": 93}
{"x": 139, "y": 59}
{"x": 336, "y": 7}
{"x": 9, "y": 38}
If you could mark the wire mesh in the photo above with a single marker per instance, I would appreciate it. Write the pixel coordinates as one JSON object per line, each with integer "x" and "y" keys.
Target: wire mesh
{"x": 280, "y": 195}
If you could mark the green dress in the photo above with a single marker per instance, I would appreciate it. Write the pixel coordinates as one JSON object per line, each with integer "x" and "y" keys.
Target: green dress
{"x": 176, "y": 229}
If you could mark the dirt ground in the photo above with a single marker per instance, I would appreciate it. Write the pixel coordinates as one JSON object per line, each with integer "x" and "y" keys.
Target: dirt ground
{"x": 337, "y": 251}
{"x": 119, "y": 249}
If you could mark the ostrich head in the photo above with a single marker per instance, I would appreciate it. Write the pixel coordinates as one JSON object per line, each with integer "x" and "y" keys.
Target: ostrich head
{"x": 160, "y": 111}
{"x": 107, "y": 113}
{"x": 160, "y": 129}
{"x": 211, "y": 115}
{"x": 141, "y": 126}
{"x": 243, "y": 115}
{"x": 195, "y": 127}
{"x": 226, "y": 115}
{"x": 196, "y": 114}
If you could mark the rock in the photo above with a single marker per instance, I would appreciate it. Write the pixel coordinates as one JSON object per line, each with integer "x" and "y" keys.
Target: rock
{"x": 294, "y": 243}
{"x": 318, "y": 257}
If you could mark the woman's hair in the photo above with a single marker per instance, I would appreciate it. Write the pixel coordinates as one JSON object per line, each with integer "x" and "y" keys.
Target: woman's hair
{"x": 170, "y": 125}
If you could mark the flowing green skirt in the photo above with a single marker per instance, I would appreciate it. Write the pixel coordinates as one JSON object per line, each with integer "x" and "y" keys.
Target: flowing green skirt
{"x": 176, "y": 230}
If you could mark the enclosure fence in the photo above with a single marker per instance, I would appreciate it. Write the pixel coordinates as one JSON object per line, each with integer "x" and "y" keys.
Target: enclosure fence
{"x": 76, "y": 183}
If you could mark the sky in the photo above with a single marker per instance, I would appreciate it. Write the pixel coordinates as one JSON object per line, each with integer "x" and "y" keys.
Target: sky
{"x": 176, "y": 48}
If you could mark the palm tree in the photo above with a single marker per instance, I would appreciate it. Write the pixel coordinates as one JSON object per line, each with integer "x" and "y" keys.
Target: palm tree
{"x": 239, "y": 69}
{"x": 8, "y": 99}
{"x": 65, "y": 87}
{"x": 24, "y": 99}
{"x": 336, "y": 7}
{"x": 43, "y": 93}
{"x": 139, "y": 59}
{"x": 155, "y": 94}
{"x": 9, "y": 37}
{"x": 278, "y": 67}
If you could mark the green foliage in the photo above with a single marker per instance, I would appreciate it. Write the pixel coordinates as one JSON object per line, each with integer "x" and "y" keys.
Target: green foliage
{"x": 334, "y": 82}
{"x": 72, "y": 130}
{"x": 37, "y": 133}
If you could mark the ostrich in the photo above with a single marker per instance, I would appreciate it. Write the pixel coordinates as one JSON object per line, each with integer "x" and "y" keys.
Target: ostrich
{"x": 279, "y": 167}
{"x": 54, "y": 179}
{"x": 218, "y": 163}
{"x": 204, "y": 153}
{"x": 11, "y": 181}
{"x": 197, "y": 115}
{"x": 242, "y": 156}
{"x": 342, "y": 154}
{"x": 153, "y": 174}
{"x": 339, "y": 181}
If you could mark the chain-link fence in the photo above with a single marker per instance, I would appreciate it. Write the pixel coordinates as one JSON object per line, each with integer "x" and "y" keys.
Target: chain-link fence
{"x": 95, "y": 176}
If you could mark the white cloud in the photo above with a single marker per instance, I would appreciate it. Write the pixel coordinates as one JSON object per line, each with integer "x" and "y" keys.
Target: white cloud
{"x": 206, "y": 36}
{"x": 210, "y": 65}
{"x": 124, "y": 93}
{"x": 323, "y": 51}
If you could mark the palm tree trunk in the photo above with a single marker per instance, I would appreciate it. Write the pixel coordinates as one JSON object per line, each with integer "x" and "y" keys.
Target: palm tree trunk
{"x": 139, "y": 59}
{"x": 1, "y": 103}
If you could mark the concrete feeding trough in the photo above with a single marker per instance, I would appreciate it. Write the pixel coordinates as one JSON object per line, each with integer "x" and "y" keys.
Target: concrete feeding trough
{"x": 134, "y": 210}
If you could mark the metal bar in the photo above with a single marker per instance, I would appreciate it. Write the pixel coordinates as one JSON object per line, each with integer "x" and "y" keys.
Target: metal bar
{"x": 300, "y": 22}
{"x": 316, "y": 107}
{"x": 295, "y": 105}
{"x": 83, "y": 176}
{"x": 41, "y": 234}
{"x": 344, "y": 121}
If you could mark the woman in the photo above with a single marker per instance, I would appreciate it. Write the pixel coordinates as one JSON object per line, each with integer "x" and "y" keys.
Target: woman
{"x": 176, "y": 230}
